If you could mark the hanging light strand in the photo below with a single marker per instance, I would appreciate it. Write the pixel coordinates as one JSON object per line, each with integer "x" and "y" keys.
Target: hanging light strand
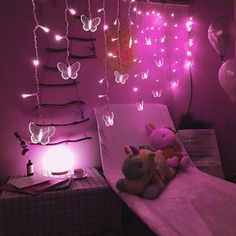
{"x": 117, "y": 22}
{"x": 36, "y": 59}
{"x": 106, "y": 57}
{"x": 67, "y": 32}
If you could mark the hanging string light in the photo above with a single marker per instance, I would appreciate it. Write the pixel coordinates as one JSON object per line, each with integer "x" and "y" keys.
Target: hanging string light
{"x": 67, "y": 70}
{"x": 38, "y": 135}
{"x": 36, "y": 59}
{"x": 119, "y": 77}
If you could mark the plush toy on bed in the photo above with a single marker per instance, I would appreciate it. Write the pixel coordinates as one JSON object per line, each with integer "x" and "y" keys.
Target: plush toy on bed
{"x": 165, "y": 139}
{"x": 141, "y": 177}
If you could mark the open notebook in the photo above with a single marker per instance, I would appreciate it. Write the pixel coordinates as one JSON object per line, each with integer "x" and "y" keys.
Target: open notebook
{"x": 193, "y": 203}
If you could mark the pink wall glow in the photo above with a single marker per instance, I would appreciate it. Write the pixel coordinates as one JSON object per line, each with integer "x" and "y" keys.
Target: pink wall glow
{"x": 210, "y": 103}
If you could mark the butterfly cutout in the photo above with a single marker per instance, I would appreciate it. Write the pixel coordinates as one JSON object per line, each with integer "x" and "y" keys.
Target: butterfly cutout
{"x": 174, "y": 83}
{"x": 108, "y": 119}
{"x": 68, "y": 71}
{"x": 41, "y": 135}
{"x": 159, "y": 63}
{"x": 157, "y": 93}
{"x": 148, "y": 41}
{"x": 119, "y": 78}
{"x": 90, "y": 24}
{"x": 144, "y": 75}
{"x": 140, "y": 105}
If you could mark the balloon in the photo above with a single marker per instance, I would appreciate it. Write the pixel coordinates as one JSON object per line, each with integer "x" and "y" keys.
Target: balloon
{"x": 227, "y": 78}
{"x": 220, "y": 34}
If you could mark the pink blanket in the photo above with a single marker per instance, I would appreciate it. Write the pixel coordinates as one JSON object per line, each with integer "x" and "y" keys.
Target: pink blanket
{"x": 193, "y": 203}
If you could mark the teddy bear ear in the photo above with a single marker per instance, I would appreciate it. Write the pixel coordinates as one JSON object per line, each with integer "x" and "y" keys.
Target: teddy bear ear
{"x": 128, "y": 151}
{"x": 150, "y": 127}
{"x": 168, "y": 127}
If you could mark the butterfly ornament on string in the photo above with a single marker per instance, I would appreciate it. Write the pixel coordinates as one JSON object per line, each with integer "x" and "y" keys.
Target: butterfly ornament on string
{"x": 41, "y": 135}
{"x": 90, "y": 24}
{"x": 108, "y": 119}
{"x": 120, "y": 78}
{"x": 70, "y": 71}
{"x": 140, "y": 105}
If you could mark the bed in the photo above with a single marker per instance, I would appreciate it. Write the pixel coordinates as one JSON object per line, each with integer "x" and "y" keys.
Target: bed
{"x": 193, "y": 203}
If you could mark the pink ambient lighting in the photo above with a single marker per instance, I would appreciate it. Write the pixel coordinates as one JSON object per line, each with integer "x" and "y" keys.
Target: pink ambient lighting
{"x": 58, "y": 160}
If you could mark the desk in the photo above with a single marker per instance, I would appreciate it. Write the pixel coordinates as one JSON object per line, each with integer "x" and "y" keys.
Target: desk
{"x": 88, "y": 206}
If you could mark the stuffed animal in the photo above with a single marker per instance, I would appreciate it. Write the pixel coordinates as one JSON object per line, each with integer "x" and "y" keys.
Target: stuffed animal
{"x": 141, "y": 177}
{"x": 165, "y": 139}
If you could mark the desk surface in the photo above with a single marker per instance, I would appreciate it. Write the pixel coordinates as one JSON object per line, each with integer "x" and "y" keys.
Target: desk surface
{"x": 87, "y": 206}
{"x": 94, "y": 180}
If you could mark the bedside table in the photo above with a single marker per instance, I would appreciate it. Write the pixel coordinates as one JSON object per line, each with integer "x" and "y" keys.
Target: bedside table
{"x": 88, "y": 206}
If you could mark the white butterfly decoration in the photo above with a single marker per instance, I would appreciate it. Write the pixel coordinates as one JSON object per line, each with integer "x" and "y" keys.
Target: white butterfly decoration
{"x": 41, "y": 135}
{"x": 144, "y": 75}
{"x": 90, "y": 24}
{"x": 68, "y": 71}
{"x": 157, "y": 93}
{"x": 119, "y": 78}
{"x": 148, "y": 41}
{"x": 140, "y": 105}
{"x": 159, "y": 63}
{"x": 108, "y": 119}
{"x": 174, "y": 83}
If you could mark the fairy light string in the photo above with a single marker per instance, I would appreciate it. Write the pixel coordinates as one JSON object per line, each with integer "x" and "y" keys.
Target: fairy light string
{"x": 36, "y": 59}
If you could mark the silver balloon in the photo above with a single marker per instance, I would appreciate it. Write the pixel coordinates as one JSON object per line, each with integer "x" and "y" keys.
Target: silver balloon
{"x": 220, "y": 35}
{"x": 227, "y": 78}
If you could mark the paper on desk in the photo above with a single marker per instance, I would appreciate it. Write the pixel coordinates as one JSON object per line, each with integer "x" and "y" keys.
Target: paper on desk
{"x": 22, "y": 182}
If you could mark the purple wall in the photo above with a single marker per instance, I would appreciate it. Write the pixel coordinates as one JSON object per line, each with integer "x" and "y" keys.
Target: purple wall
{"x": 210, "y": 103}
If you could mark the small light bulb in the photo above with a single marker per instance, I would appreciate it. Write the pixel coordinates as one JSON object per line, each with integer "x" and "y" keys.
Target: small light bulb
{"x": 101, "y": 81}
{"x": 105, "y": 27}
{"x": 45, "y": 29}
{"x": 26, "y": 95}
{"x": 36, "y": 62}
{"x": 135, "y": 89}
{"x": 101, "y": 9}
{"x": 58, "y": 37}
{"x": 110, "y": 54}
{"x": 72, "y": 11}
{"x": 135, "y": 9}
{"x": 172, "y": 14}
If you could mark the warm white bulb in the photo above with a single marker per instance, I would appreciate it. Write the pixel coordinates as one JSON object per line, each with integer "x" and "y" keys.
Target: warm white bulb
{"x": 36, "y": 62}
{"x": 58, "y": 37}
{"x": 45, "y": 29}
{"x": 26, "y": 95}
{"x": 72, "y": 11}
{"x": 101, "y": 9}
{"x": 105, "y": 27}
{"x": 135, "y": 89}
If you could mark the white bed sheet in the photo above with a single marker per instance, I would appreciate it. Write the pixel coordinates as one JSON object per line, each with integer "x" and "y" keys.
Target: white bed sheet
{"x": 193, "y": 203}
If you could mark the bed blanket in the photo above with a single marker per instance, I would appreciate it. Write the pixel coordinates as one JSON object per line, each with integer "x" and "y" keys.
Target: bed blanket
{"x": 193, "y": 203}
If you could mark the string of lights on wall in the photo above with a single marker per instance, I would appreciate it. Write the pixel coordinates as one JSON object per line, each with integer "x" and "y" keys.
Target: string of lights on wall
{"x": 159, "y": 44}
{"x": 40, "y": 132}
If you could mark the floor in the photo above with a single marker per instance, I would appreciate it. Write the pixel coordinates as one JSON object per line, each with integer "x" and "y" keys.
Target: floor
{"x": 132, "y": 226}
